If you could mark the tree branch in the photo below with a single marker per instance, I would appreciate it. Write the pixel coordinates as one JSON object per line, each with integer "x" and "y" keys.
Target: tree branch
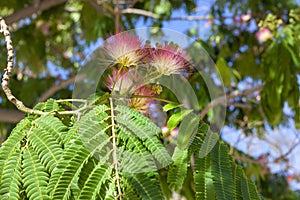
{"x": 32, "y": 9}
{"x": 139, "y": 12}
{"x": 133, "y": 3}
{"x": 10, "y": 115}
{"x": 224, "y": 99}
{"x": 97, "y": 7}
{"x": 58, "y": 87}
{"x": 108, "y": 7}
{"x": 8, "y": 72}
{"x": 192, "y": 18}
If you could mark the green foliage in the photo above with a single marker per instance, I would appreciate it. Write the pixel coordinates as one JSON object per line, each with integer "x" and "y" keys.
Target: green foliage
{"x": 61, "y": 34}
{"x": 49, "y": 160}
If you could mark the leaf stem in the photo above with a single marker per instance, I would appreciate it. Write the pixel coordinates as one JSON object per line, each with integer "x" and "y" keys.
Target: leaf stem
{"x": 115, "y": 158}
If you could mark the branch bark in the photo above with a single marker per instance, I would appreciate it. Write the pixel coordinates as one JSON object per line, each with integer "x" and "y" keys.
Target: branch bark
{"x": 223, "y": 100}
{"x": 10, "y": 115}
{"x": 139, "y": 12}
{"x": 97, "y": 7}
{"x": 51, "y": 91}
{"x": 32, "y": 9}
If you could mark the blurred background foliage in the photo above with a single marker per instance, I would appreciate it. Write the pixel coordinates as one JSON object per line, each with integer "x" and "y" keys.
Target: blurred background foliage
{"x": 255, "y": 44}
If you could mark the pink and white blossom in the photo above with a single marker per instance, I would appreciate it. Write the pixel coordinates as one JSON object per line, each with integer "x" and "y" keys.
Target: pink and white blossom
{"x": 245, "y": 17}
{"x": 263, "y": 34}
{"x": 121, "y": 82}
{"x": 130, "y": 91}
{"x": 167, "y": 59}
{"x": 124, "y": 49}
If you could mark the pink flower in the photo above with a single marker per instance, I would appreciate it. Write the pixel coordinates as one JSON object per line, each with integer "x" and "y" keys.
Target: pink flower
{"x": 132, "y": 93}
{"x": 122, "y": 83}
{"x": 245, "y": 17}
{"x": 263, "y": 34}
{"x": 124, "y": 49}
{"x": 142, "y": 100}
{"x": 167, "y": 59}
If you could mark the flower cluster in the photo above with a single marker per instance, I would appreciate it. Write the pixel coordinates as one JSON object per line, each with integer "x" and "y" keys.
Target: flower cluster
{"x": 128, "y": 56}
{"x": 167, "y": 59}
{"x": 123, "y": 84}
{"x": 263, "y": 34}
{"x": 124, "y": 49}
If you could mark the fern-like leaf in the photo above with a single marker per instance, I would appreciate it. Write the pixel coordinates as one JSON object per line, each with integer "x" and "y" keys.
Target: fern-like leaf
{"x": 129, "y": 191}
{"x": 52, "y": 125}
{"x": 12, "y": 143}
{"x": 109, "y": 195}
{"x": 159, "y": 151}
{"x": 211, "y": 138}
{"x": 178, "y": 169}
{"x": 237, "y": 181}
{"x": 11, "y": 178}
{"x": 45, "y": 143}
{"x": 198, "y": 139}
{"x": 249, "y": 191}
{"x": 138, "y": 125}
{"x": 35, "y": 179}
{"x": 147, "y": 186}
{"x": 67, "y": 169}
{"x": 10, "y": 161}
{"x": 222, "y": 172}
{"x": 98, "y": 176}
{"x": 136, "y": 122}
{"x": 201, "y": 169}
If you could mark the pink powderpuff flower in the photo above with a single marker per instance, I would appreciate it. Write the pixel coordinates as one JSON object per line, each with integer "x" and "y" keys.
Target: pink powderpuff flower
{"x": 121, "y": 82}
{"x": 124, "y": 49}
{"x": 168, "y": 59}
{"x": 263, "y": 34}
{"x": 141, "y": 99}
{"x": 245, "y": 17}
{"x": 132, "y": 93}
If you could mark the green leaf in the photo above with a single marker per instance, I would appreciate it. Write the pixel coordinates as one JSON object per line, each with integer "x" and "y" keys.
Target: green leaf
{"x": 35, "y": 177}
{"x": 171, "y": 106}
{"x": 129, "y": 191}
{"x": 100, "y": 174}
{"x": 187, "y": 130}
{"x": 222, "y": 172}
{"x": 208, "y": 144}
{"x": 237, "y": 180}
{"x": 67, "y": 170}
{"x": 249, "y": 190}
{"x": 147, "y": 186}
{"x": 225, "y": 71}
{"x": 203, "y": 183}
{"x": 178, "y": 169}
{"x": 176, "y": 118}
{"x": 12, "y": 144}
{"x": 137, "y": 125}
{"x": 11, "y": 178}
{"x": 44, "y": 143}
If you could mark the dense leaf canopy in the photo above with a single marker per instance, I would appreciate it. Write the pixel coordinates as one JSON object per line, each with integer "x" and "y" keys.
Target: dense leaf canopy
{"x": 254, "y": 44}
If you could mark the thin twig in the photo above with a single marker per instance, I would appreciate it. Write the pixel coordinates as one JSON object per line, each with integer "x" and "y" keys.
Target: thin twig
{"x": 108, "y": 7}
{"x": 97, "y": 7}
{"x": 192, "y": 18}
{"x": 58, "y": 87}
{"x": 117, "y": 17}
{"x": 133, "y": 3}
{"x": 28, "y": 11}
{"x": 224, "y": 99}
{"x": 139, "y": 12}
{"x": 115, "y": 158}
